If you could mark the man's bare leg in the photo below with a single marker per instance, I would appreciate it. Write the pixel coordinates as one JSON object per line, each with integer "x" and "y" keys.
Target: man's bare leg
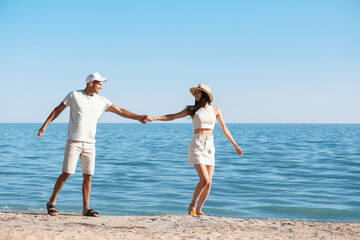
{"x": 57, "y": 188}
{"x": 86, "y": 190}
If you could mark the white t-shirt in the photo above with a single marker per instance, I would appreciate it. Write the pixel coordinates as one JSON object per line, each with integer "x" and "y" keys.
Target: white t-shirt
{"x": 85, "y": 111}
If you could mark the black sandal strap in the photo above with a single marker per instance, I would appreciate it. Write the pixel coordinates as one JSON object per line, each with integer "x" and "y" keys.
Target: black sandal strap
{"x": 48, "y": 206}
{"x": 51, "y": 206}
{"x": 91, "y": 213}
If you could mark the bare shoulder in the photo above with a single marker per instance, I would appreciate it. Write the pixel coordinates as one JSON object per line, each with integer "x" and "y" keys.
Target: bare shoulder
{"x": 217, "y": 110}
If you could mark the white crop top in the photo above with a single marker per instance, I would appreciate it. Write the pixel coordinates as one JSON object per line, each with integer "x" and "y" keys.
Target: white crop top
{"x": 204, "y": 118}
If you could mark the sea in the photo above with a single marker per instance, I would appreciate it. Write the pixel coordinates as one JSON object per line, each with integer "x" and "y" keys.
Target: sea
{"x": 289, "y": 171}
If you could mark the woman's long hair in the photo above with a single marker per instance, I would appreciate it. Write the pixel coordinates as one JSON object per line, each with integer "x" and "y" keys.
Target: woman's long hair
{"x": 191, "y": 109}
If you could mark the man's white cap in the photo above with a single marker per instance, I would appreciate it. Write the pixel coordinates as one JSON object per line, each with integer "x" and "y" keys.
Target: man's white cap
{"x": 95, "y": 77}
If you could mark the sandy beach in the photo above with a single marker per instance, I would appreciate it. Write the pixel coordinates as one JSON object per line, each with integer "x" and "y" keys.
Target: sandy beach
{"x": 74, "y": 226}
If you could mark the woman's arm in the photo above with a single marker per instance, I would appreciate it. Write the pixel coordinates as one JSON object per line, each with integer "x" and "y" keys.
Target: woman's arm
{"x": 226, "y": 131}
{"x": 170, "y": 117}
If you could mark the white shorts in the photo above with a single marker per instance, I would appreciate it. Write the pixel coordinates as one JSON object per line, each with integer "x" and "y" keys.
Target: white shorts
{"x": 201, "y": 150}
{"x": 76, "y": 149}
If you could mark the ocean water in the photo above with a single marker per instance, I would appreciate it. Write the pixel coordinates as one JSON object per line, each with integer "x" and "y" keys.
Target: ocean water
{"x": 289, "y": 171}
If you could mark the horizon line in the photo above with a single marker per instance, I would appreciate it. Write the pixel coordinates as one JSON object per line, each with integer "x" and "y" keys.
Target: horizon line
{"x": 164, "y": 122}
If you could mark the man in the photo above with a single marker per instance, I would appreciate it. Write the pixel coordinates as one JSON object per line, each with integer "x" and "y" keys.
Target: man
{"x": 86, "y": 107}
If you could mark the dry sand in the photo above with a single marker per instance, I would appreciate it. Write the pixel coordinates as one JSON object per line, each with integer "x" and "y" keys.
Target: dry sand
{"x": 74, "y": 226}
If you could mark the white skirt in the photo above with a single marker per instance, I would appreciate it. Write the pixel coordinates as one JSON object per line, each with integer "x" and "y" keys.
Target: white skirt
{"x": 201, "y": 150}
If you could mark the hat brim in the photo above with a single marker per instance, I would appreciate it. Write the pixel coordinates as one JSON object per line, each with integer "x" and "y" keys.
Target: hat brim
{"x": 192, "y": 90}
{"x": 100, "y": 79}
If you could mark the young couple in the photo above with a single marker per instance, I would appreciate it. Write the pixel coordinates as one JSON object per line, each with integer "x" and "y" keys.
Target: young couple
{"x": 86, "y": 107}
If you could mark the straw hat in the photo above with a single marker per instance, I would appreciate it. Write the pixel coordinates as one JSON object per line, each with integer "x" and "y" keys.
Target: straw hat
{"x": 202, "y": 87}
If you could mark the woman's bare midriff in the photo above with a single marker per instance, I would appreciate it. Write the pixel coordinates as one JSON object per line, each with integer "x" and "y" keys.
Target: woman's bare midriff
{"x": 203, "y": 131}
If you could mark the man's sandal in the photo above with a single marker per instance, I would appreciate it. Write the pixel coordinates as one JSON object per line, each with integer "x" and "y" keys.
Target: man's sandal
{"x": 91, "y": 213}
{"x": 49, "y": 210}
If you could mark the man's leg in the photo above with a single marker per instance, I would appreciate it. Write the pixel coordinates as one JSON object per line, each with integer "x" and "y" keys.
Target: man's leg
{"x": 71, "y": 156}
{"x": 87, "y": 158}
{"x": 58, "y": 186}
{"x": 86, "y": 190}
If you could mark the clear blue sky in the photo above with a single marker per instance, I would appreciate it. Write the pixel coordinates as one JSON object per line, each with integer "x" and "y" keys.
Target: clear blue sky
{"x": 266, "y": 61}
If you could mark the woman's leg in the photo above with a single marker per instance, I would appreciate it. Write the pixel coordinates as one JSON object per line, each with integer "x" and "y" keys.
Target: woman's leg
{"x": 206, "y": 191}
{"x": 203, "y": 183}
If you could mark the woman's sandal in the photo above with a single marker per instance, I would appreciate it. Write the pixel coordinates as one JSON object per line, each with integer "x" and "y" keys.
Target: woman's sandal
{"x": 50, "y": 211}
{"x": 91, "y": 213}
{"x": 191, "y": 212}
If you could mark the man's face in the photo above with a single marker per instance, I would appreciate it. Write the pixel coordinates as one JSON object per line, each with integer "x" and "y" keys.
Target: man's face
{"x": 97, "y": 85}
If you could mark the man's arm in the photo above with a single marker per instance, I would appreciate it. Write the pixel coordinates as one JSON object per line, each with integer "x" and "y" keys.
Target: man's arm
{"x": 127, "y": 114}
{"x": 53, "y": 115}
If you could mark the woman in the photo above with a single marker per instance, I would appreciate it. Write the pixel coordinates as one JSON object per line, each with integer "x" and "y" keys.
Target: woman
{"x": 201, "y": 152}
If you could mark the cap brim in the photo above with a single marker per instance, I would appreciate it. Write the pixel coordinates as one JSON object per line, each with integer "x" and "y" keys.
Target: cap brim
{"x": 100, "y": 79}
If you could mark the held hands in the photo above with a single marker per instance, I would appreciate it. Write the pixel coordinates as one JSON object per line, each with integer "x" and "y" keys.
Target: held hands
{"x": 150, "y": 119}
{"x": 145, "y": 119}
